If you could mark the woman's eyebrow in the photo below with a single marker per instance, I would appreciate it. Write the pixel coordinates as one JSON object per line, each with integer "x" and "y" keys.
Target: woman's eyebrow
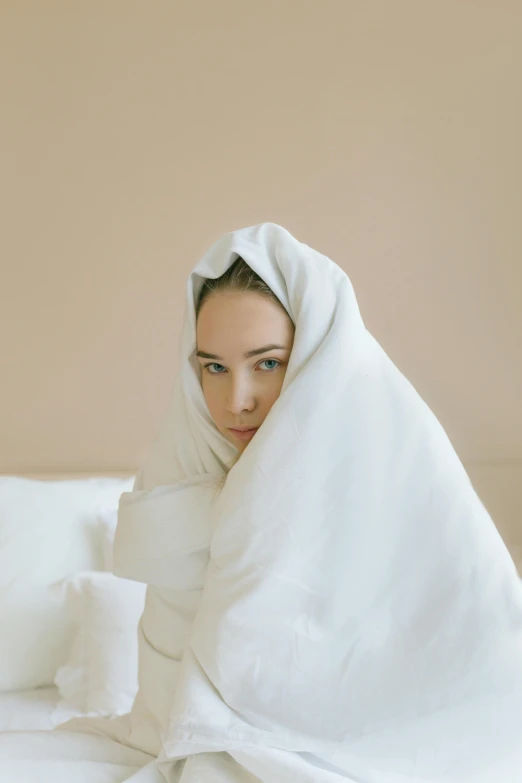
{"x": 246, "y": 355}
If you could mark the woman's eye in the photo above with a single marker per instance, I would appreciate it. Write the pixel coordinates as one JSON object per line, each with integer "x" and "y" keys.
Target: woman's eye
{"x": 273, "y": 361}
{"x": 208, "y": 366}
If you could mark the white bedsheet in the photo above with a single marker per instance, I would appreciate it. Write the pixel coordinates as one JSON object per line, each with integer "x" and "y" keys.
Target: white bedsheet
{"x": 71, "y": 757}
{"x": 28, "y": 710}
{"x": 30, "y": 751}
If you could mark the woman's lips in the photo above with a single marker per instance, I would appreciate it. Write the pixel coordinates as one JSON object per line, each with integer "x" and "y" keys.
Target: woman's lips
{"x": 244, "y": 435}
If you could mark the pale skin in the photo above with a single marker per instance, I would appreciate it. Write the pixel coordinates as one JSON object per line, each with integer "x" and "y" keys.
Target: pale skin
{"x": 240, "y": 389}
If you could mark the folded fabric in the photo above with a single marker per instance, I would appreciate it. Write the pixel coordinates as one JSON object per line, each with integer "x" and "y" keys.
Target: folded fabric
{"x": 100, "y": 676}
{"x": 163, "y": 538}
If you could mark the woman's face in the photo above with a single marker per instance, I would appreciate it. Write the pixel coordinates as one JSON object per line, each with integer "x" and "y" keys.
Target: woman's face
{"x": 244, "y": 342}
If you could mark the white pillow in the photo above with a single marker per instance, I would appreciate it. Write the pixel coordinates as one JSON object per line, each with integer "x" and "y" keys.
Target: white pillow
{"x": 101, "y": 675}
{"x": 48, "y": 530}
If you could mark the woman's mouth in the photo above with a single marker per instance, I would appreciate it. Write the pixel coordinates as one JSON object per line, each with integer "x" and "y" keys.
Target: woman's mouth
{"x": 243, "y": 434}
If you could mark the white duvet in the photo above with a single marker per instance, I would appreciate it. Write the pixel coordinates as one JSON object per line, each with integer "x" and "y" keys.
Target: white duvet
{"x": 344, "y": 609}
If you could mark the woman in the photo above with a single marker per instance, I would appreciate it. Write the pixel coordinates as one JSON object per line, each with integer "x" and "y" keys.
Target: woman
{"x": 343, "y": 608}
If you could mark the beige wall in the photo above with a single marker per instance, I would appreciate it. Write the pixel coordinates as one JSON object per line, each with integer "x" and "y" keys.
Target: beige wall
{"x": 386, "y": 134}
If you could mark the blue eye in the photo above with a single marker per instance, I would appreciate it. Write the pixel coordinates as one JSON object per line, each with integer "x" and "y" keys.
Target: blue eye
{"x": 271, "y": 360}
{"x": 213, "y": 364}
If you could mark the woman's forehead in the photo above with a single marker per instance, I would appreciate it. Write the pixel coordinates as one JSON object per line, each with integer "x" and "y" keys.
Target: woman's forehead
{"x": 242, "y": 323}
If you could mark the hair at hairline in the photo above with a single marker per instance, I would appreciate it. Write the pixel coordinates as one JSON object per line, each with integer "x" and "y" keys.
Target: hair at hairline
{"x": 239, "y": 278}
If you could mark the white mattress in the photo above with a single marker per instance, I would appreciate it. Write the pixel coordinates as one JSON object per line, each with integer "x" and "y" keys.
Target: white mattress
{"x": 28, "y": 710}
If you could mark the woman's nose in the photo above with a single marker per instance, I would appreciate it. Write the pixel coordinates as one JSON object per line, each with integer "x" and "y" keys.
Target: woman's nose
{"x": 240, "y": 397}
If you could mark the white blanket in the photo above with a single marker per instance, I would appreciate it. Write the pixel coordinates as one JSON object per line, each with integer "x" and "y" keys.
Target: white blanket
{"x": 344, "y": 609}
{"x": 360, "y": 614}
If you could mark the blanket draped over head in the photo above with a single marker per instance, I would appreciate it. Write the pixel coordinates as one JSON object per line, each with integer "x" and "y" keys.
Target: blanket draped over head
{"x": 343, "y": 608}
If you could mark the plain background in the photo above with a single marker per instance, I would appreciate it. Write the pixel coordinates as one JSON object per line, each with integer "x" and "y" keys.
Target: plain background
{"x": 134, "y": 134}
